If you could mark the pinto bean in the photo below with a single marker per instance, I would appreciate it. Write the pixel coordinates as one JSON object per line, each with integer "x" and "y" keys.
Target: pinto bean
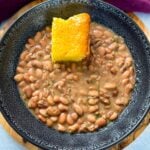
{"x": 64, "y": 100}
{"x": 41, "y": 118}
{"x": 53, "y": 111}
{"x": 38, "y": 73}
{"x": 62, "y": 107}
{"x": 93, "y": 101}
{"x": 50, "y": 100}
{"x": 101, "y": 51}
{"x": 62, "y": 118}
{"x": 43, "y": 112}
{"x": 110, "y": 86}
{"x": 101, "y": 122}
{"x": 49, "y": 122}
{"x": 73, "y": 128}
{"x": 36, "y": 63}
{"x": 18, "y": 77}
{"x": 78, "y": 109}
{"x": 93, "y": 109}
{"x": 93, "y": 93}
{"x": 61, "y": 127}
{"x": 91, "y": 118}
{"x": 70, "y": 120}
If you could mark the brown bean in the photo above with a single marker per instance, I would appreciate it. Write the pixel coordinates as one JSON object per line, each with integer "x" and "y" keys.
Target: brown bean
{"x": 18, "y": 77}
{"x": 38, "y": 36}
{"x": 125, "y": 81}
{"x": 113, "y": 46}
{"x": 62, "y": 107}
{"x": 28, "y": 91}
{"x": 97, "y": 33}
{"x": 93, "y": 93}
{"x": 45, "y": 93}
{"x": 62, "y": 118}
{"x": 92, "y": 127}
{"x": 83, "y": 92}
{"x": 47, "y": 65}
{"x": 43, "y": 42}
{"x": 114, "y": 70}
{"x": 49, "y": 122}
{"x": 74, "y": 116}
{"x": 41, "y": 118}
{"x": 101, "y": 122}
{"x": 128, "y": 88}
{"x": 110, "y": 86}
{"x": 31, "y": 41}
{"x": 23, "y": 55}
{"x": 122, "y": 47}
{"x": 91, "y": 118}
{"x": 109, "y": 56}
{"x": 128, "y": 61}
{"x": 64, "y": 100}
{"x": 93, "y": 77}
{"x": 70, "y": 76}
{"x": 31, "y": 71}
{"x": 54, "y": 119}
{"x": 42, "y": 104}
{"x": 32, "y": 78}
{"x": 131, "y": 70}
{"x": 101, "y": 51}
{"x": 56, "y": 66}
{"x": 36, "y": 63}
{"x": 32, "y": 104}
{"x": 20, "y": 70}
{"x": 105, "y": 100}
{"x": 53, "y": 111}
{"x": 36, "y": 93}
{"x": 29, "y": 64}
{"x": 22, "y": 84}
{"x": 85, "y": 108}
{"x": 50, "y": 100}
{"x": 83, "y": 127}
{"x": 61, "y": 127}
{"x": 56, "y": 99}
{"x": 78, "y": 109}
{"x": 120, "y": 61}
{"x": 46, "y": 57}
{"x": 43, "y": 112}
{"x": 93, "y": 101}
{"x": 37, "y": 84}
{"x": 113, "y": 116}
{"x": 126, "y": 74}
{"x": 70, "y": 120}
{"x": 93, "y": 109}
{"x": 22, "y": 63}
{"x": 38, "y": 73}
{"x": 118, "y": 108}
{"x": 73, "y": 128}
{"x": 45, "y": 76}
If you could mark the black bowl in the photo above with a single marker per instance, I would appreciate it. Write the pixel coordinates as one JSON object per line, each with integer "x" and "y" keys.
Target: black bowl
{"x": 20, "y": 118}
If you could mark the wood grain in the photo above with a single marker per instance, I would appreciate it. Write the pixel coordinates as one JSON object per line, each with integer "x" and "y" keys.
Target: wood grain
{"x": 28, "y": 145}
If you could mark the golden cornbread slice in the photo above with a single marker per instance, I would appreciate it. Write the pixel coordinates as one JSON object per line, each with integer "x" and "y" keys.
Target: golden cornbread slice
{"x": 70, "y": 38}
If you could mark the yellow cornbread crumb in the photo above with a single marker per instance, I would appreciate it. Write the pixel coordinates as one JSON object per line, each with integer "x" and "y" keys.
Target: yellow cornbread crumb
{"x": 70, "y": 38}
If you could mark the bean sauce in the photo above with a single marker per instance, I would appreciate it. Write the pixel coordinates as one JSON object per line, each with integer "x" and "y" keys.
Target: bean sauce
{"x": 77, "y": 96}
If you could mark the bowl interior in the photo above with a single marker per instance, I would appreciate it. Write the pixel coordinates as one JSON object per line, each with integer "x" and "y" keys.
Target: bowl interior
{"x": 36, "y": 19}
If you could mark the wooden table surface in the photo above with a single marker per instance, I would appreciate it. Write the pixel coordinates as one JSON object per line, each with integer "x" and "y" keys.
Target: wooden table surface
{"x": 28, "y": 145}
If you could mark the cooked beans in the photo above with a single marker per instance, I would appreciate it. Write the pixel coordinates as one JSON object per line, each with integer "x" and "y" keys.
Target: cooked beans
{"x": 76, "y": 96}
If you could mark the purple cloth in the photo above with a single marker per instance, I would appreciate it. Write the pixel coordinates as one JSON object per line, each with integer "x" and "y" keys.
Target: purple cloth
{"x": 9, "y": 7}
{"x": 132, "y": 5}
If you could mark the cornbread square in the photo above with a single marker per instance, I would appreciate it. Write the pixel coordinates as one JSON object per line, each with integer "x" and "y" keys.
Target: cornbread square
{"x": 70, "y": 38}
